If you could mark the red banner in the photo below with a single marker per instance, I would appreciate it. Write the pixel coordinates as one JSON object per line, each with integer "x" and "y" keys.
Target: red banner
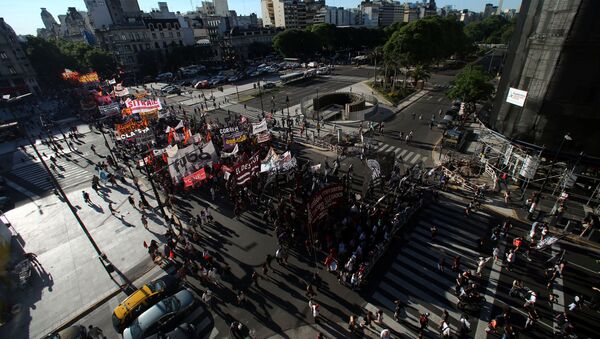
{"x": 323, "y": 200}
{"x": 245, "y": 170}
{"x": 194, "y": 178}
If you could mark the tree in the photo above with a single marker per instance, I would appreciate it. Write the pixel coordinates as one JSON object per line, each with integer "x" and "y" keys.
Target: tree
{"x": 101, "y": 61}
{"x": 490, "y": 30}
{"x": 327, "y": 35}
{"x": 47, "y": 60}
{"x": 419, "y": 72}
{"x": 470, "y": 86}
{"x": 294, "y": 43}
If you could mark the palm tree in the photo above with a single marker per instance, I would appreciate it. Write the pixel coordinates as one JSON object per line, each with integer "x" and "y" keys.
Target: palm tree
{"x": 420, "y": 72}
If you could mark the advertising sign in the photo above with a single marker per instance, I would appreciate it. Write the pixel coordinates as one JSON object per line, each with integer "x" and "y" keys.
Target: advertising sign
{"x": 130, "y": 126}
{"x": 516, "y": 97}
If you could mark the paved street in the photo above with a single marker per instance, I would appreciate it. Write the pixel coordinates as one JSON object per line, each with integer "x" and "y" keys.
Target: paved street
{"x": 73, "y": 281}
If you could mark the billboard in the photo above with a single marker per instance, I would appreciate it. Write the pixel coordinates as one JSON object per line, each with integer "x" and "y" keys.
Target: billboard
{"x": 516, "y": 97}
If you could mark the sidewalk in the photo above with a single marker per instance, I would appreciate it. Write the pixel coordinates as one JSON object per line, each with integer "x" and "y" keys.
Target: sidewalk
{"x": 11, "y": 146}
{"x": 71, "y": 278}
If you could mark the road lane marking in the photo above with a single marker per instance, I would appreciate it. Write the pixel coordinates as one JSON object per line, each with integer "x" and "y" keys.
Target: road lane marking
{"x": 440, "y": 99}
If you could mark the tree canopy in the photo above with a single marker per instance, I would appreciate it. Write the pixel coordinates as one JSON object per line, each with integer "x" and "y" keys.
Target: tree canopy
{"x": 426, "y": 40}
{"x": 470, "y": 86}
{"x": 325, "y": 39}
{"x": 494, "y": 29}
{"x": 49, "y": 58}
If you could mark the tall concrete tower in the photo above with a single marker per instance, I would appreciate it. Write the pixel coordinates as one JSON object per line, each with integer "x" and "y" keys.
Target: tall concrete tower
{"x": 48, "y": 20}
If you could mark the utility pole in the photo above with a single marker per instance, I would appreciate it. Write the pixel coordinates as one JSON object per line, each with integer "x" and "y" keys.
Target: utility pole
{"x": 160, "y": 205}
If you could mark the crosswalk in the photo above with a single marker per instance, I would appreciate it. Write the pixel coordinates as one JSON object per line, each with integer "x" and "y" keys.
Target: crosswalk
{"x": 414, "y": 278}
{"x": 31, "y": 175}
{"x": 405, "y": 156}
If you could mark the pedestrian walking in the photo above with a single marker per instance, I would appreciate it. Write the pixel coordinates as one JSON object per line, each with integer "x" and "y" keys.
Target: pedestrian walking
{"x": 145, "y": 222}
{"x": 310, "y": 292}
{"x": 112, "y": 210}
{"x": 86, "y": 197}
{"x": 315, "y": 310}
{"x": 441, "y": 263}
{"x": 269, "y": 259}
{"x": 423, "y": 322}
{"x": 434, "y": 232}
{"x": 397, "y": 309}
{"x": 510, "y": 259}
{"x": 131, "y": 200}
{"x": 265, "y": 269}
{"x": 255, "y": 278}
{"x": 456, "y": 263}
{"x": 496, "y": 253}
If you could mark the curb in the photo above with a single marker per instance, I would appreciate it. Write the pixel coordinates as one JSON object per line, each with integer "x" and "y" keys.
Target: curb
{"x": 84, "y": 311}
{"x": 406, "y": 104}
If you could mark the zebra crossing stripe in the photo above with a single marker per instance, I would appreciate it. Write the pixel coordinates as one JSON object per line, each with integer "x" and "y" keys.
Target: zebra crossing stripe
{"x": 424, "y": 159}
{"x": 397, "y": 150}
{"x": 408, "y": 156}
{"x": 403, "y": 152}
{"x": 455, "y": 230}
{"x": 384, "y": 148}
{"x": 417, "y": 156}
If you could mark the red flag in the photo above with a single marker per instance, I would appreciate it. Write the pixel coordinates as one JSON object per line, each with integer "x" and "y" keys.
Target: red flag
{"x": 186, "y": 135}
{"x": 208, "y": 136}
{"x": 171, "y": 135}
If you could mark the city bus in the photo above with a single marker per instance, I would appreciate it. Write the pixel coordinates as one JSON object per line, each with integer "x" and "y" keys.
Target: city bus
{"x": 291, "y": 77}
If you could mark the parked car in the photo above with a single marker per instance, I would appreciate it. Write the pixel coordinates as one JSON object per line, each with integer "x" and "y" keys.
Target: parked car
{"x": 174, "y": 90}
{"x": 182, "y": 331}
{"x": 446, "y": 122}
{"x": 161, "y": 316}
{"x": 269, "y": 85}
{"x": 71, "y": 332}
{"x": 164, "y": 76}
{"x": 141, "y": 300}
{"x": 201, "y": 84}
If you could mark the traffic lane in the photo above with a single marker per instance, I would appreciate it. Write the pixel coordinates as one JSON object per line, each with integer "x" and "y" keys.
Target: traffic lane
{"x": 296, "y": 92}
{"x": 403, "y": 121}
{"x": 278, "y": 302}
{"x": 580, "y": 275}
{"x": 353, "y": 71}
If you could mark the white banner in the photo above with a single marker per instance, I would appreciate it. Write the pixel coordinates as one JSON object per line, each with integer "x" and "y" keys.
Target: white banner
{"x": 230, "y": 154}
{"x": 190, "y": 159}
{"x": 260, "y": 127}
{"x": 121, "y": 91}
{"x": 375, "y": 168}
{"x": 110, "y": 109}
{"x": 138, "y": 106}
{"x": 516, "y": 96}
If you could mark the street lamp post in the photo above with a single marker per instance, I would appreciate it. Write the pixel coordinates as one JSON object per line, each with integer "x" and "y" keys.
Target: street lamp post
{"x": 287, "y": 102}
{"x": 261, "y": 99}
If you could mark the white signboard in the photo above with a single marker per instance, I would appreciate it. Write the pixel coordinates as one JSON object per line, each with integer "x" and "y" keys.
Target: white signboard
{"x": 516, "y": 96}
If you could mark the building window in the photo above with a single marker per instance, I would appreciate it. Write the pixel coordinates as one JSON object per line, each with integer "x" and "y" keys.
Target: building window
{"x": 180, "y": 43}
{"x": 176, "y": 26}
{"x": 145, "y": 35}
{"x": 137, "y": 36}
{"x": 3, "y": 55}
{"x": 156, "y": 45}
{"x": 135, "y": 48}
{"x": 170, "y": 34}
{"x": 147, "y": 46}
{"x": 178, "y": 34}
{"x": 164, "y": 44}
{"x": 151, "y": 26}
{"x": 168, "y": 26}
{"x": 162, "y": 35}
{"x": 160, "y": 27}
{"x": 153, "y": 35}
{"x": 123, "y": 37}
{"x": 12, "y": 70}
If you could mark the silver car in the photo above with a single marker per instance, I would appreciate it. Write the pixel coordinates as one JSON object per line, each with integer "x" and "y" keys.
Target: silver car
{"x": 161, "y": 316}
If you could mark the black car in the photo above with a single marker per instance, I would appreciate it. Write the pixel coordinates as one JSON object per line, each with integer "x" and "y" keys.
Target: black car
{"x": 269, "y": 85}
{"x": 73, "y": 332}
{"x": 173, "y": 90}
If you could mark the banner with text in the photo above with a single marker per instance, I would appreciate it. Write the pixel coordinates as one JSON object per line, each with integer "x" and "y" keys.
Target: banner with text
{"x": 137, "y": 106}
{"x": 246, "y": 169}
{"x": 260, "y": 127}
{"x": 322, "y": 200}
{"x": 110, "y": 109}
{"x": 185, "y": 161}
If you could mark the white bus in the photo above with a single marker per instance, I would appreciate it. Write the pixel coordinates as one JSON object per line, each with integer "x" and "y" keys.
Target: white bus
{"x": 311, "y": 73}
{"x": 291, "y": 77}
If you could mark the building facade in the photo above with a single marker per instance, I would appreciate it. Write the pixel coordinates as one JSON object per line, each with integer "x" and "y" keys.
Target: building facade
{"x": 17, "y": 76}
{"x": 553, "y": 57}
{"x": 98, "y": 13}
{"x": 290, "y": 13}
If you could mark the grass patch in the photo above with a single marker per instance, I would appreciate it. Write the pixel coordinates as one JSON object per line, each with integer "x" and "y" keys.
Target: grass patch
{"x": 394, "y": 96}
